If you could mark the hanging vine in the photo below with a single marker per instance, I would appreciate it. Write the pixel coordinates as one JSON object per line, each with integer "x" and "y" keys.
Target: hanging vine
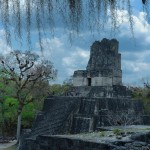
{"x": 20, "y": 16}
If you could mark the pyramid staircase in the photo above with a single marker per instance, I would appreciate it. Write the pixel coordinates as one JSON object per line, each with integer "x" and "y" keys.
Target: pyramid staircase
{"x": 55, "y": 116}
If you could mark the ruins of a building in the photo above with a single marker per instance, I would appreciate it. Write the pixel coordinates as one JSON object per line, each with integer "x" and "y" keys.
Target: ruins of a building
{"x": 104, "y": 66}
{"x": 103, "y": 74}
{"x": 101, "y": 101}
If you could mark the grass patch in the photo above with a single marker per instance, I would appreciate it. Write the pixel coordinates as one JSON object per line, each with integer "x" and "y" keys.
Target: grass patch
{"x": 116, "y": 131}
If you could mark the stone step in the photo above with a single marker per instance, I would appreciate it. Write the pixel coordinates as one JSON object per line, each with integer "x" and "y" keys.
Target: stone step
{"x": 54, "y": 116}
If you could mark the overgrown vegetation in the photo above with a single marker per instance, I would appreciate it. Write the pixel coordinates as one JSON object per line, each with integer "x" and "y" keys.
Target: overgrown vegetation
{"x": 117, "y": 131}
{"x": 143, "y": 94}
{"x": 61, "y": 90}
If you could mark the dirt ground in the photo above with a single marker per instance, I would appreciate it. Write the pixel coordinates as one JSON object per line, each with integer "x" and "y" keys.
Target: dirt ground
{"x": 8, "y": 146}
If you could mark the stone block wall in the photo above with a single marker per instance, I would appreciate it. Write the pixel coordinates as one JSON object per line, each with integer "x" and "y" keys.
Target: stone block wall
{"x": 56, "y": 115}
{"x": 100, "y": 78}
{"x": 80, "y": 114}
{"x": 94, "y": 113}
{"x": 137, "y": 141}
{"x": 104, "y": 66}
{"x": 62, "y": 143}
{"x": 102, "y": 91}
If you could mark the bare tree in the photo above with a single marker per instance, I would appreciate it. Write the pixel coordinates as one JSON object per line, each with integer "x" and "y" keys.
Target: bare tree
{"x": 146, "y": 83}
{"x": 25, "y": 69}
{"x": 124, "y": 117}
{"x": 72, "y": 13}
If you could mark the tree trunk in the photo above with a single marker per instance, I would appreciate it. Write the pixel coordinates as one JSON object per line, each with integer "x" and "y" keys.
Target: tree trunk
{"x": 3, "y": 133}
{"x": 18, "y": 127}
{"x": 19, "y": 118}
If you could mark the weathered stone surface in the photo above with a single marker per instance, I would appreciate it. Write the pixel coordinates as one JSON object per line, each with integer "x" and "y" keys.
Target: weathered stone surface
{"x": 144, "y": 137}
{"x": 83, "y": 114}
{"x": 146, "y": 119}
{"x": 101, "y": 91}
{"x": 104, "y": 55}
{"x": 63, "y": 143}
{"x": 139, "y": 144}
{"x": 56, "y": 115}
{"x": 104, "y": 66}
{"x": 73, "y": 142}
{"x": 79, "y": 114}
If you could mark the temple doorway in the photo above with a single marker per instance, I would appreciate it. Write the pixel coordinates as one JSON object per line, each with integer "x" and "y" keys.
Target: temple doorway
{"x": 89, "y": 81}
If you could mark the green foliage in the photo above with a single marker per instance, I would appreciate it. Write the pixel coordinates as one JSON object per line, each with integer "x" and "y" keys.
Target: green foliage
{"x": 142, "y": 94}
{"x": 10, "y": 114}
{"x": 116, "y": 131}
{"x": 28, "y": 115}
{"x": 146, "y": 106}
{"x": 137, "y": 93}
{"x": 147, "y": 129}
{"x": 24, "y": 77}
{"x": 58, "y": 89}
{"x": 55, "y": 89}
{"x": 10, "y": 105}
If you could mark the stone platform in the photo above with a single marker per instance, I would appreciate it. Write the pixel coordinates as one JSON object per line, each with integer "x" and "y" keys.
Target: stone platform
{"x": 63, "y": 115}
{"x": 118, "y": 91}
{"x": 82, "y": 114}
{"x": 127, "y": 138}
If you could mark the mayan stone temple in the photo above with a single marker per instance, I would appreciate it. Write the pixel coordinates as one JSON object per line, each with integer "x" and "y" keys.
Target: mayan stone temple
{"x": 104, "y": 66}
{"x": 98, "y": 99}
{"x": 103, "y": 74}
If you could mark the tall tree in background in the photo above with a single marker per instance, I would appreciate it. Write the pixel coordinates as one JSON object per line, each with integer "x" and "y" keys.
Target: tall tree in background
{"x": 21, "y": 17}
{"x": 25, "y": 70}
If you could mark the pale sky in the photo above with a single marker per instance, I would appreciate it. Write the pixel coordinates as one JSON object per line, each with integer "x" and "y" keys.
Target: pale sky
{"x": 68, "y": 57}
